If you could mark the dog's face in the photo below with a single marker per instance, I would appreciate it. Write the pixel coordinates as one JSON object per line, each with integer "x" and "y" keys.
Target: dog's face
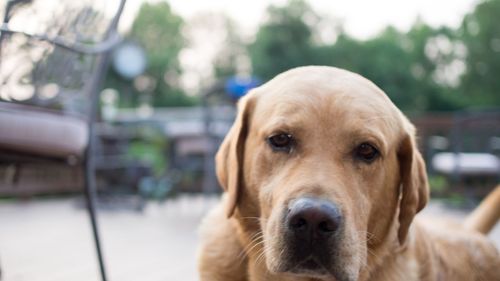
{"x": 325, "y": 161}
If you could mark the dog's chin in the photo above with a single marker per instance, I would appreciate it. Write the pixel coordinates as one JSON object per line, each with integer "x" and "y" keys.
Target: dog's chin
{"x": 307, "y": 268}
{"x": 312, "y": 268}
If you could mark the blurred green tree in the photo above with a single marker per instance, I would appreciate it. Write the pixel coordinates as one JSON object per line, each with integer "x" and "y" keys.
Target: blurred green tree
{"x": 284, "y": 41}
{"x": 428, "y": 64}
{"x": 383, "y": 60}
{"x": 397, "y": 62}
{"x": 158, "y": 30}
{"x": 480, "y": 32}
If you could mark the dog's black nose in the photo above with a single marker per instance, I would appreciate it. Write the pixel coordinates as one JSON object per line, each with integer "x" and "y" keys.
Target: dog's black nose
{"x": 311, "y": 218}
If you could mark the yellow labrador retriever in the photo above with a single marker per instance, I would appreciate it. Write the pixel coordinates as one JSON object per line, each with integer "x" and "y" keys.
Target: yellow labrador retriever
{"x": 322, "y": 181}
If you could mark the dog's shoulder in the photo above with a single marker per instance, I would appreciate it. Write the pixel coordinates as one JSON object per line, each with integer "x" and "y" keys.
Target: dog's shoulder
{"x": 458, "y": 253}
{"x": 220, "y": 255}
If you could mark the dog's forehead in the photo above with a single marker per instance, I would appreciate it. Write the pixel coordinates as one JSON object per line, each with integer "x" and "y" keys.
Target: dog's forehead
{"x": 323, "y": 92}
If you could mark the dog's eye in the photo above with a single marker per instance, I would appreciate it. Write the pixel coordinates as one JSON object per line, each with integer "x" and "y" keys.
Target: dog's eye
{"x": 366, "y": 152}
{"x": 280, "y": 142}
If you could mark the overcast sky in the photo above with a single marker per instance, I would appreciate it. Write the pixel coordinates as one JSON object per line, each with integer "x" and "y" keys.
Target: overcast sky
{"x": 361, "y": 18}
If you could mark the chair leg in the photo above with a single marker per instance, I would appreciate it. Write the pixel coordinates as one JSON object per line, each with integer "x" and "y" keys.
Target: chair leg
{"x": 90, "y": 195}
{"x": 96, "y": 82}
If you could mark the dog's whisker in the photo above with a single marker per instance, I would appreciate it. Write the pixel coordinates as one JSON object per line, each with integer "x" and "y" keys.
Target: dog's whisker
{"x": 258, "y": 239}
{"x": 260, "y": 257}
{"x": 256, "y": 235}
{"x": 243, "y": 254}
{"x": 241, "y": 257}
{"x": 252, "y": 243}
{"x": 255, "y": 240}
{"x": 368, "y": 235}
{"x": 255, "y": 245}
{"x": 280, "y": 257}
{"x": 252, "y": 218}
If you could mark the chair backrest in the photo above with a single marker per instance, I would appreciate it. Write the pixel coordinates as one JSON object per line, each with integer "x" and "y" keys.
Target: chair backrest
{"x": 49, "y": 51}
{"x": 53, "y": 55}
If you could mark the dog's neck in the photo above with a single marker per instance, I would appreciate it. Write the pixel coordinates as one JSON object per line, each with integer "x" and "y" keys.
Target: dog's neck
{"x": 393, "y": 262}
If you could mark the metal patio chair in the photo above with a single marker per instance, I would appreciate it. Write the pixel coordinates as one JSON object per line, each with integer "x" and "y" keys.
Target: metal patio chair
{"x": 64, "y": 133}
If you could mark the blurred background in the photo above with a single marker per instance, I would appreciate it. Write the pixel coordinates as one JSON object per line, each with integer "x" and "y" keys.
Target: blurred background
{"x": 111, "y": 113}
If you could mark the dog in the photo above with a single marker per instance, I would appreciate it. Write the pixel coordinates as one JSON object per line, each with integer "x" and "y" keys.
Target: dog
{"x": 322, "y": 180}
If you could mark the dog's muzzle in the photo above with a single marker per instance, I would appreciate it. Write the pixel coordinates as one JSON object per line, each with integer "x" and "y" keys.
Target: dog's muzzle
{"x": 312, "y": 228}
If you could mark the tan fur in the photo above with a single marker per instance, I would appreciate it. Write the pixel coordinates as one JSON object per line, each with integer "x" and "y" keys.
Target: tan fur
{"x": 484, "y": 218}
{"x": 330, "y": 111}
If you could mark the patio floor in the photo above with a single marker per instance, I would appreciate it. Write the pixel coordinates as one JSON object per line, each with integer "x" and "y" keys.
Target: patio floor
{"x": 50, "y": 240}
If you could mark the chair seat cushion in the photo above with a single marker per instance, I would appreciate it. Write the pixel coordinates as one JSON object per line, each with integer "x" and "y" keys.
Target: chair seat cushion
{"x": 45, "y": 133}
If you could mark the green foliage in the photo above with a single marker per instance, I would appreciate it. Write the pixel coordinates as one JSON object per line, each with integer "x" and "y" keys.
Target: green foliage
{"x": 173, "y": 97}
{"x": 150, "y": 148}
{"x": 481, "y": 35}
{"x": 438, "y": 184}
{"x": 284, "y": 41}
{"x": 383, "y": 60}
{"x": 158, "y": 30}
{"x": 412, "y": 67}
{"x": 455, "y": 200}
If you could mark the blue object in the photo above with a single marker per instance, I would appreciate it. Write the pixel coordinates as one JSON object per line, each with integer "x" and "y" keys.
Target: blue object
{"x": 236, "y": 87}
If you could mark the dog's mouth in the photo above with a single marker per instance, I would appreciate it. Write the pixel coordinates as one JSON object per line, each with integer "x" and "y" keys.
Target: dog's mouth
{"x": 310, "y": 265}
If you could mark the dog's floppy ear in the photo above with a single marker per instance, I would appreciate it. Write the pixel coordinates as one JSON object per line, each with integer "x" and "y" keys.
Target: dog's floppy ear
{"x": 229, "y": 158}
{"x": 414, "y": 187}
